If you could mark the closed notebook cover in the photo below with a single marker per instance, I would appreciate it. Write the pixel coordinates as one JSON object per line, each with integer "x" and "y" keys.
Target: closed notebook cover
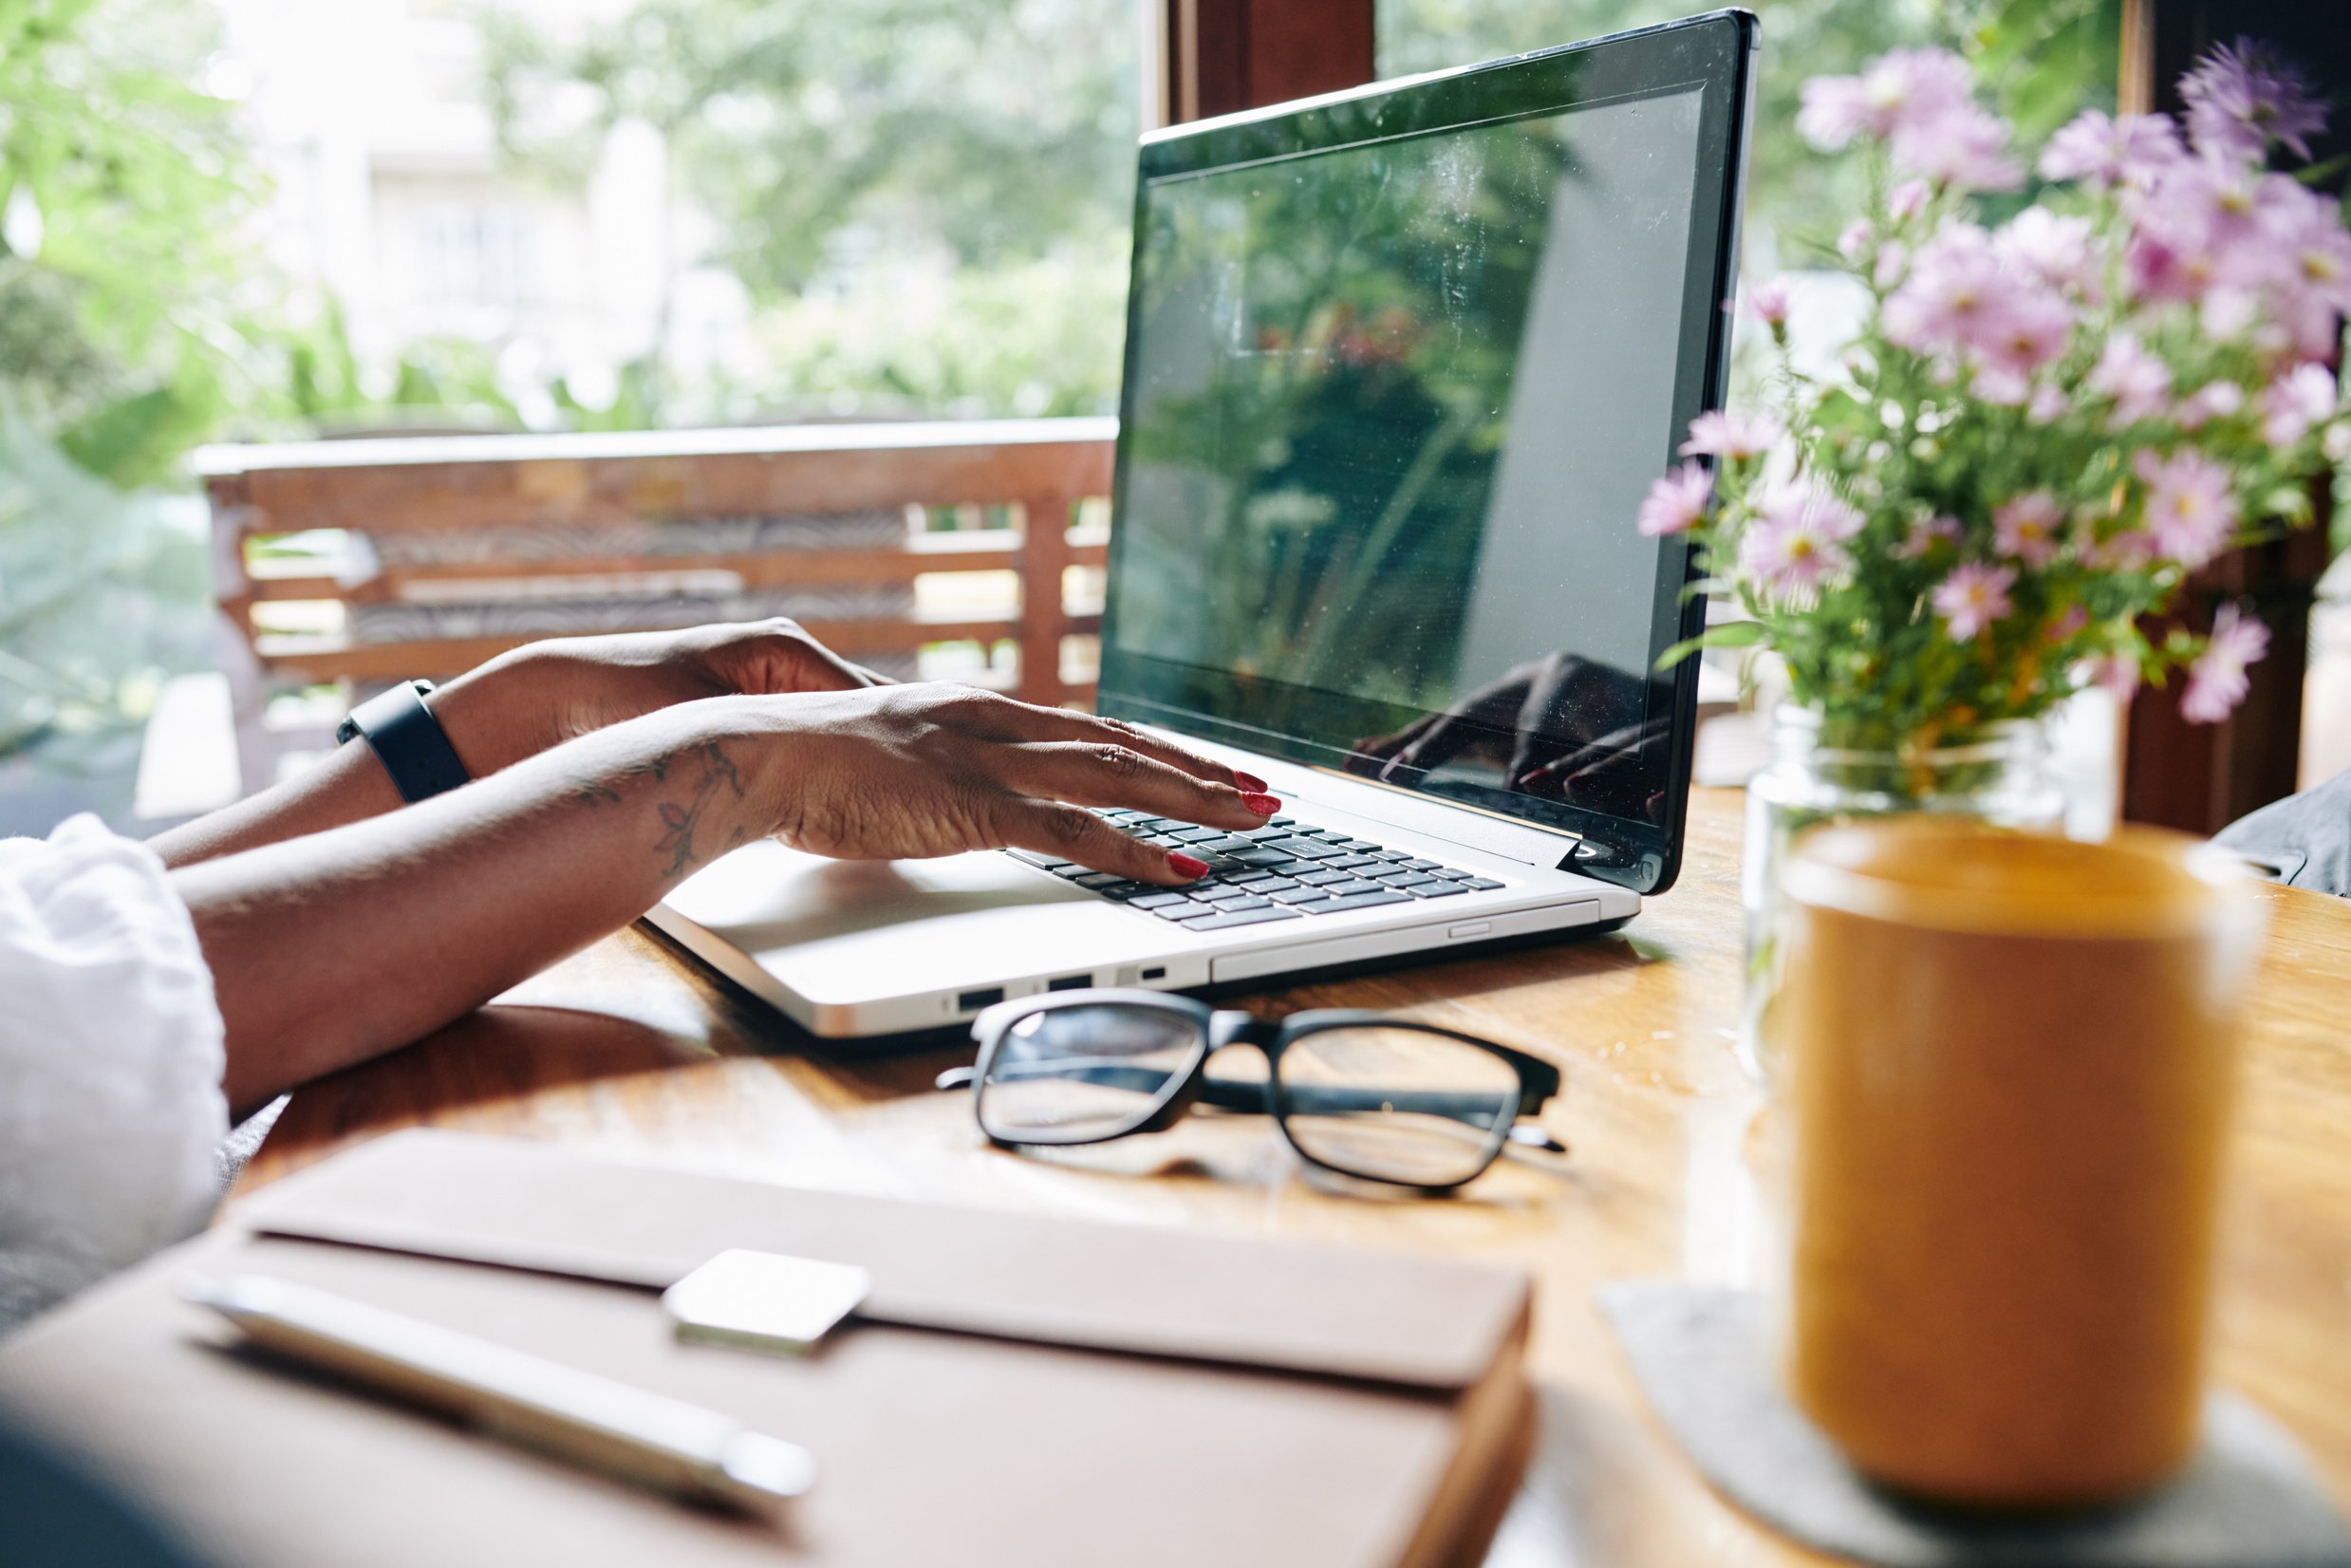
{"x": 1339, "y": 1310}
{"x": 1138, "y": 1397}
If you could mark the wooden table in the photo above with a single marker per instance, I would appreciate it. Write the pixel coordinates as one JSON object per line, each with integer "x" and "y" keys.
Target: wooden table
{"x": 629, "y": 1050}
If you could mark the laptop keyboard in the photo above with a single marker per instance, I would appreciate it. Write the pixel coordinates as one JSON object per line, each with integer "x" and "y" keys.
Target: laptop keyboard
{"x": 1284, "y": 870}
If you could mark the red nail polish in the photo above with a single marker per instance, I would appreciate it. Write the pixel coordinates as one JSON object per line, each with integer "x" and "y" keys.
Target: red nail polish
{"x": 1250, "y": 781}
{"x": 1187, "y": 865}
{"x": 1264, "y": 805}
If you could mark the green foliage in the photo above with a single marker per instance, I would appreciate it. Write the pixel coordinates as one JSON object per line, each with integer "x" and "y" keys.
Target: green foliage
{"x": 436, "y": 384}
{"x": 1029, "y": 338}
{"x": 807, "y": 126}
{"x": 925, "y": 198}
{"x": 120, "y": 303}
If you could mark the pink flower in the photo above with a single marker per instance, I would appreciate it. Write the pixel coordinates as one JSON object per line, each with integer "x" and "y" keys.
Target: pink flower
{"x": 2128, "y": 151}
{"x": 2001, "y": 387}
{"x": 2204, "y": 223}
{"x": 1898, "y": 89}
{"x": 2226, "y": 314}
{"x": 1732, "y": 435}
{"x": 1972, "y": 597}
{"x": 1798, "y": 540}
{"x": 2138, "y": 383}
{"x": 1893, "y": 259}
{"x": 1923, "y": 533}
{"x": 1769, "y": 302}
{"x": 2190, "y": 511}
{"x": 1676, "y": 502}
{"x": 2217, "y": 681}
{"x": 2057, "y": 250}
{"x": 1907, "y": 199}
{"x": 1965, "y": 147}
{"x": 2212, "y": 401}
{"x": 1854, "y": 243}
{"x": 1835, "y": 110}
{"x": 2241, "y": 98}
{"x": 1813, "y": 506}
{"x": 2048, "y": 405}
{"x": 2033, "y": 334}
{"x": 2299, "y": 256}
{"x": 2027, "y": 527}
{"x": 1957, "y": 294}
{"x": 2117, "y": 672}
{"x": 2291, "y": 406}
{"x": 2066, "y": 626}
{"x": 2309, "y": 277}
{"x": 2161, "y": 267}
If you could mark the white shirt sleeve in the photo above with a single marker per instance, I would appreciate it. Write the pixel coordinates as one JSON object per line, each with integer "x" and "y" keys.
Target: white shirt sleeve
{"x": 110, "y": 1063}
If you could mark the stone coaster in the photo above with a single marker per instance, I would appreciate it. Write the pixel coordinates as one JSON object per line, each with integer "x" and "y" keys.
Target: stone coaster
{"x": 2249, "y": 1501}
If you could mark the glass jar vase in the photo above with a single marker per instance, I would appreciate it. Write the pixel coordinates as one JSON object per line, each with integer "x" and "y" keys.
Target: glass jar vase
{"x": 2004, "y": 774}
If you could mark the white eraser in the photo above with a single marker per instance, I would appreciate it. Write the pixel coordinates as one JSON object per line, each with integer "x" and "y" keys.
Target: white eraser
{"x": 765, "y": 1300}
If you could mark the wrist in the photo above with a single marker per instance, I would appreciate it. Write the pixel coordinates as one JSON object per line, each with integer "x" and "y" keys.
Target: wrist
{"x": 755, "y": 734}
{"x": 497, "y": 713}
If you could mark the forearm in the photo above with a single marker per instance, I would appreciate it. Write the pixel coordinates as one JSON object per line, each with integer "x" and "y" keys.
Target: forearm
{"x": 492, "y": 716}
{"x": 333, "y": 947}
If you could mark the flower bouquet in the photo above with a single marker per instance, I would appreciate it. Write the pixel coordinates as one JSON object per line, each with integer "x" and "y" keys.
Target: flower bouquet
{"x": 2039, "y": 432}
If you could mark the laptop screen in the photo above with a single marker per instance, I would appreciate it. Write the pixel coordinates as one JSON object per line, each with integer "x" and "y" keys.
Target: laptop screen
{"x": 1391, "y": 407}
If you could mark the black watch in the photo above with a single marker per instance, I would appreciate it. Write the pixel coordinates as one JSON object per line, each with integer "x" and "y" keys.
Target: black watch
{"x": 407, "y": 739}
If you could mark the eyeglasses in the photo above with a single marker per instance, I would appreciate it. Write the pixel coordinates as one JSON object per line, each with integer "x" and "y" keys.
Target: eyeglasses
{"x": 1358, "y": 1092}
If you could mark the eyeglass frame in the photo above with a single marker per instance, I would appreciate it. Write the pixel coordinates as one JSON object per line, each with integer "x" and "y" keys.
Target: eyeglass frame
{"x": 1540, "y": 1081}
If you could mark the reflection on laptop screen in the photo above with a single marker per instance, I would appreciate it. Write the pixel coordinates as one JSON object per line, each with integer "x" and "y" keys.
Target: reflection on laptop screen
{"x": 1392, "y": 410}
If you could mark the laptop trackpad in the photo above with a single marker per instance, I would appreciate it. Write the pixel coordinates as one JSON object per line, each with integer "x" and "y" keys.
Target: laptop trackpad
{"x": 845, "y": 929}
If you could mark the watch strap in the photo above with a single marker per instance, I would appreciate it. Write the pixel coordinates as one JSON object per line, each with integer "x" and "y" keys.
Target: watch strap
{"x": 407, "y": 739}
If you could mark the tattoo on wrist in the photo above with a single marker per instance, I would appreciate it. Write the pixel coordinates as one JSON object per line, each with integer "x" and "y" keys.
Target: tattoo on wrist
{"x": 717, "y": 773}
{"x": 711, "y": 772}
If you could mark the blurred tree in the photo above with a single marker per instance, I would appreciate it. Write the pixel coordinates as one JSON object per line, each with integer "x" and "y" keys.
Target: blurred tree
{"x": 125, "y": 285}
{"x": 811, "y": 127}
{"x": 833, "y": 143}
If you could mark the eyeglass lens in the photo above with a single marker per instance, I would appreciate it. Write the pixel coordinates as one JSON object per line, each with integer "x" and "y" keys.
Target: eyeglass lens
{"x": 1072, "y": 1074}
{"x": 1392, "y": 1103}
{"x": 1402, "y": 1105}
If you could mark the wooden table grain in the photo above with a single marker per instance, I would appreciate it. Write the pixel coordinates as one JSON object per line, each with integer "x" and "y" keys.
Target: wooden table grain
{"x": 629, "y": 1050}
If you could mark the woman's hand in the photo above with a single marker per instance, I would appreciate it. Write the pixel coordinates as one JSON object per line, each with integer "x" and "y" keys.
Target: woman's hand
{"x": 461, "y": 896}
{"x": 916, "y": 771}
{"x": 545, "y": 693}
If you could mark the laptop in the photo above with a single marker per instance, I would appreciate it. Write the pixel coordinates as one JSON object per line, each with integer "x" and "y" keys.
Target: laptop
{"x": 1401, "y": 364}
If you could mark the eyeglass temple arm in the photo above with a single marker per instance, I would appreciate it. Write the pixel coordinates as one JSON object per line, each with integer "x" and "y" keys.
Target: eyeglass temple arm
{"x": 1244, "y": 1095}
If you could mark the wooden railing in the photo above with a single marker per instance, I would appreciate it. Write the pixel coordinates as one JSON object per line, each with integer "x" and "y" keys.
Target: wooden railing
{"x": 501, "y": 522}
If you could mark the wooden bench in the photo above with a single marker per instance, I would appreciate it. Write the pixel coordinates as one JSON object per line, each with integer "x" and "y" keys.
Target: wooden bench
{"x": 424, "y": 556}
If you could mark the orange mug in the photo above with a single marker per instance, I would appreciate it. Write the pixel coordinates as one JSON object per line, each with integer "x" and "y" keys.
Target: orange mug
{"x": 2009, "y": 1062}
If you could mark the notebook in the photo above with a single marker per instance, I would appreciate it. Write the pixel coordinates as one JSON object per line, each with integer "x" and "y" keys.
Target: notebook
{"x": 1015, "y": 1390}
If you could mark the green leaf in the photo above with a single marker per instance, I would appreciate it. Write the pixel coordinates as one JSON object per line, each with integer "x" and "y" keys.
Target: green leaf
{"x": 1730, "y": 634}
{"x": 135, "y": 441}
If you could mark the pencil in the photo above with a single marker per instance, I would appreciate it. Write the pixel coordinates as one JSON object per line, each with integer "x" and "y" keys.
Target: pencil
{"x": 631, "y": 1433}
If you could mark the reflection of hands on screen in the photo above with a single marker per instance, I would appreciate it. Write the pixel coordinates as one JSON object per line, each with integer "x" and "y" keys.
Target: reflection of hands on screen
{"x": 1562, "y": 726}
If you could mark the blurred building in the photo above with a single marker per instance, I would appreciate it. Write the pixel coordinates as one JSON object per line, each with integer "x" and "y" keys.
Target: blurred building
{"x": 391, "y": 198}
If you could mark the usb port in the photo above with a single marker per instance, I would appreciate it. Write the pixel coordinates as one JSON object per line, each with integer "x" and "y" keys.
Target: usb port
{"x": 1070, "y": 983}
{"x": 1157, "y": 971}
{"x": 971, "y": 1001}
